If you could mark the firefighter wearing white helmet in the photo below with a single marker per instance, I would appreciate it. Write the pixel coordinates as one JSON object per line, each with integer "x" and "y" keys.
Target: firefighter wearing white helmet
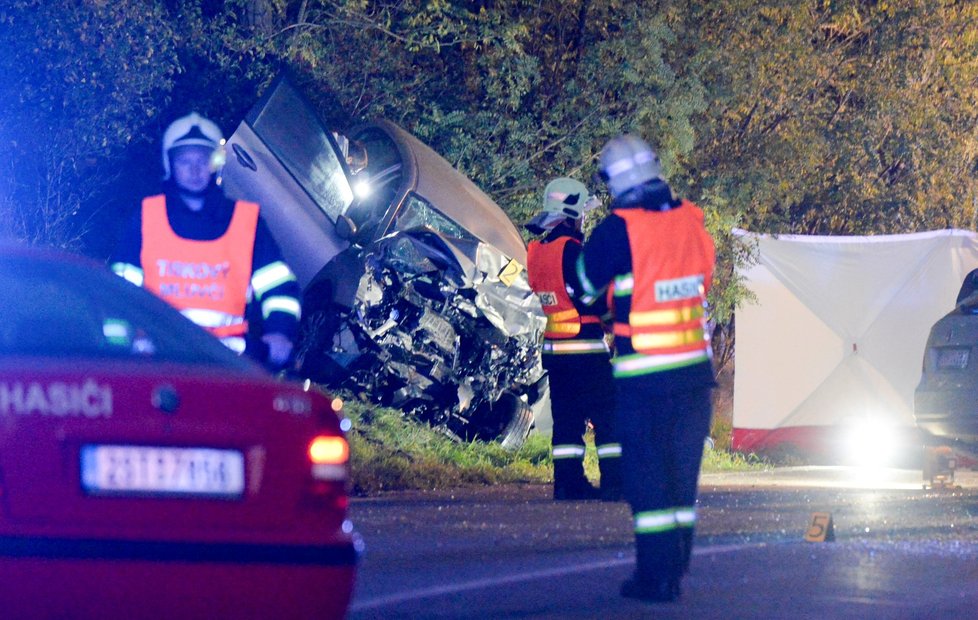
{"x": 655, "y": 254}
{"x": 628, "y": 164}
{"x": 565, "y": 201}
{"x": 212, "y": 258}
{"x": 575, "y": 354}
{"x": 193, "y": 130}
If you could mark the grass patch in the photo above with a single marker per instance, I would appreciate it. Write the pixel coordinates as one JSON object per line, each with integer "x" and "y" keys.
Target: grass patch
{"x": 717, "y": 460}
{"x": 390, "y": 452}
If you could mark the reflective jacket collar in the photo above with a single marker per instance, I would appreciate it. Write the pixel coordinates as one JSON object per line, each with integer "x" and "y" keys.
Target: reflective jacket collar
{"x": 649, "y": 196}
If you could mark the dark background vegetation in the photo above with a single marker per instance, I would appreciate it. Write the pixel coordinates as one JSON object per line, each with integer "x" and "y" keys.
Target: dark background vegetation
{"x": 776, "y": 116}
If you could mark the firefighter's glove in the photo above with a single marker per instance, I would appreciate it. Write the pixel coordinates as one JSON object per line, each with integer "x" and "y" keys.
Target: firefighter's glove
{"x": 279, "y": 349}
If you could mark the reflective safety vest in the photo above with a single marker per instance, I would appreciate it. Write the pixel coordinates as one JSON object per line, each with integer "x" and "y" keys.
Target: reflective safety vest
{"x": 545, "y": 272}
{"x": 672, "y": 269}
{"x": 206, "y": 280}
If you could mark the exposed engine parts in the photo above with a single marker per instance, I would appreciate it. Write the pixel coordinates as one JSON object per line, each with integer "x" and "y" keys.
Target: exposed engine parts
{"x": 433, "y": 330}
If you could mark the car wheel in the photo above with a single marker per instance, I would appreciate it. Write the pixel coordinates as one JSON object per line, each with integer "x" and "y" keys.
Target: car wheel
{"x": 507, "y": 420}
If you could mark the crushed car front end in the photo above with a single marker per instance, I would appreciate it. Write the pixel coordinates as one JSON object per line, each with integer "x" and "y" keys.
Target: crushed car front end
{"x": 415, "y": 290}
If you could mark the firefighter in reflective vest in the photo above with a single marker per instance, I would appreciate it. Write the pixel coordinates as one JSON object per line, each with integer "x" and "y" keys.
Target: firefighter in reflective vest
{"x": 655, "y": 253}
{"x": 211, "y": 258}
{"x": 575, "y": 353}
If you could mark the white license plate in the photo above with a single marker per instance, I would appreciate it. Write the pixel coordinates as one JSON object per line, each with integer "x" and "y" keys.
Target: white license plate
{"x": 953, "y": 358}
{"x": 159, "y": 470}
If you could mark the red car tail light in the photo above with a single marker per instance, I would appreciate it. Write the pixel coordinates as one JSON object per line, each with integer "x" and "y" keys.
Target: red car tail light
{"x": 329, "y": 456}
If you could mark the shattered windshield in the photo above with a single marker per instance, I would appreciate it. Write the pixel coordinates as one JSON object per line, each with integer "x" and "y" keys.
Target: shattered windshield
{"x": 291, "y": 130}
{"x": 417, "y": 213}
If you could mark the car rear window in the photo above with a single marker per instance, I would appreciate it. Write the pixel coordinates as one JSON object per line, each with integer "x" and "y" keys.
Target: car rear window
{"x": 55, "y": 309}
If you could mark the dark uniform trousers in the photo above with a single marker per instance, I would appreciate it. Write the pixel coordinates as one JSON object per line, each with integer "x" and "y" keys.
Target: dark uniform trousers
{"x": 582, "y": 388}
{"x": 662, "y": 438}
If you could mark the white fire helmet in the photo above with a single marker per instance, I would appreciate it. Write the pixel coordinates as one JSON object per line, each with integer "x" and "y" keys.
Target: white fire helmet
{"x": 193, "y": 130}
{"x": 627, "y": 162}
{"x": 563, "y": 198}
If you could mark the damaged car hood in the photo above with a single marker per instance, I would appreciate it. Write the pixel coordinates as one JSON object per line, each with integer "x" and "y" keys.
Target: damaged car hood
{"x": 430, "y": 328}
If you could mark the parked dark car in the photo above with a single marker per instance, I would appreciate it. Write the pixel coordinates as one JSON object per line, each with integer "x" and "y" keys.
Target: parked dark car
{"x": 414, "y": 284}
{"x": 146, "y": 471}
{"x": 945, "y": 399}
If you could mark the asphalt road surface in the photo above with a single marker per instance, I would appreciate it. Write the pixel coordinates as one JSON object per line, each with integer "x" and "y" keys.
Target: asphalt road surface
{"x": 896, "y": 550}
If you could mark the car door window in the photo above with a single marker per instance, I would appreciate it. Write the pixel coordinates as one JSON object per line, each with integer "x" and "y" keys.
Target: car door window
{"x": 294, "y": 134}
{"x": 377, "y": 184}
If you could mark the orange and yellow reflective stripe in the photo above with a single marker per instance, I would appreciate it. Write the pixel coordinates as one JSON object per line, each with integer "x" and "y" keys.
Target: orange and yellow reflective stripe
{"x": 664, "y": 340}
{"x": 670, "y": 316}
{"x": 553, "y": 327}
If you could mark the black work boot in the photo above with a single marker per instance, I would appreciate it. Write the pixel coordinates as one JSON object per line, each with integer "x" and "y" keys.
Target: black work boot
{"x": 657, "y": 570}
{"x": 651, "y": 590}
{"x": 576, "y": 491}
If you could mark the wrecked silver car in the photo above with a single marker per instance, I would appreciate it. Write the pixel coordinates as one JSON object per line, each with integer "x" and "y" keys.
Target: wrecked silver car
{"x": 415, "y": 292}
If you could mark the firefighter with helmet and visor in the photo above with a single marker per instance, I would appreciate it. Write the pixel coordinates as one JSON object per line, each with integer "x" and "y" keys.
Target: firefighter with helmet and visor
{"x": 654, "y": 253}
{"x": 575, "y": 353}
{"x": 212, "y": 258}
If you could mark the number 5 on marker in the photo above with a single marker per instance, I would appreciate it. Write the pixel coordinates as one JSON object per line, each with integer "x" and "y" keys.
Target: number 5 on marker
{"x": 820, "y": 528}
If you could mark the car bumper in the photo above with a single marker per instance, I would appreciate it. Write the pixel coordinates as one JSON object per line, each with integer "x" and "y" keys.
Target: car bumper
{"x": 948, "y": 414}
{"x": 51, "y": 577}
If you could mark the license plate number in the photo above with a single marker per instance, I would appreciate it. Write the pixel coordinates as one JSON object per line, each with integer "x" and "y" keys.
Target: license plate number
{"x": 159, "y": 470}
{"x": 953, "y": 358}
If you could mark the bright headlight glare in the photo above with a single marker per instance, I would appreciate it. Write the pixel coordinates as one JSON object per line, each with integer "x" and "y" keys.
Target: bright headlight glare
{"x": 362, "y": 189}
{"x": 870, "y": 442}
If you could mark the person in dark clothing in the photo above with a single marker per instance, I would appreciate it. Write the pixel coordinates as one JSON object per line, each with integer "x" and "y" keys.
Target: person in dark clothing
{"x": 575, "y": 353}
{"x": 654, "y": 252}
{"x": 212, "y": 258}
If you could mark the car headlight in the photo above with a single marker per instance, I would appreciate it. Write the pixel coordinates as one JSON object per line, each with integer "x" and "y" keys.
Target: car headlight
{"x": 870, "y": 442}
